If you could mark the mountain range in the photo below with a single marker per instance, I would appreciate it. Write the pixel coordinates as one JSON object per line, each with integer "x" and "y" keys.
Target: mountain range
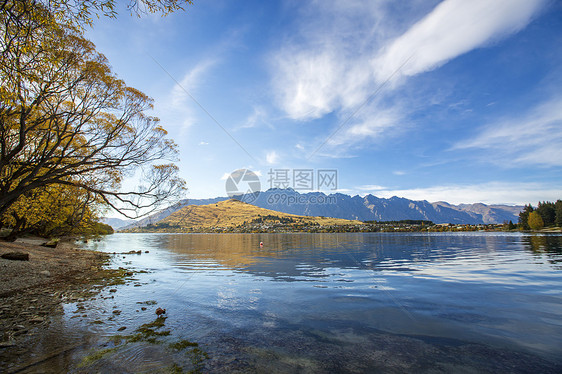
{"x": 362, "y": 208}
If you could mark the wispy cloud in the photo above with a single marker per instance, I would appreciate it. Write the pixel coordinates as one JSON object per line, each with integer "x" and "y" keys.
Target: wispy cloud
{"x": 176, "y": 106}
{"x": 532, "y": 139}
{"x": 372, "y": 123}
{"x": 333, "y": 69}
{"x": 326, "y": 65}
{"x": 259, "y": 117}
{"x": 272, "y": 157}
{"x": 487, "y": 193}
{"x": 453, "y": 28}
{"x": 371, "y": 187}
{"x": 190, "y": 82}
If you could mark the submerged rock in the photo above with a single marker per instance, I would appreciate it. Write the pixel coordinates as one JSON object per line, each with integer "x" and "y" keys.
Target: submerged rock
{"x": 160, "y": 311}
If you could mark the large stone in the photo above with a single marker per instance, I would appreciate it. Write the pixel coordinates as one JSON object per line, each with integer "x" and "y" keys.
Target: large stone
{"x": 51, "y": 243}
{"x": 17, "y": 256}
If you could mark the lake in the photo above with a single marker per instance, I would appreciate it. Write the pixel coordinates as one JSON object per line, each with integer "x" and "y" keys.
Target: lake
{"x": 323, "y": 303}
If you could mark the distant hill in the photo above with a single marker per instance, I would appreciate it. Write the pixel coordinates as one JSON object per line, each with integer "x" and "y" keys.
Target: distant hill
{"x": 233, "y": 213}
{"x": 367, "y": 208}
{"x": 487, "y": 213}
{"x": 116, "y": 223}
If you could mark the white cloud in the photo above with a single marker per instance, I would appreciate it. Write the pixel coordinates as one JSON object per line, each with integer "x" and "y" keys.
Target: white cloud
{"x": 176, "y": 107}
{"x": 399, "y": 172}
{"x": 454, "y": 27}
{"x": 325, "y": 65}
{"x": 343, "y": 51}
{"x": 203, "y": 143}
{"x": 189, "y": 83}
{"x": 371, "y": 187}
{"x": 532, "y": 139}
{"x": 271, "y": 157}
{"x": 257, "y": 118}
{"x": 487, "y": 193}
{"x": 346, "y": 191}
{"x": 371, "y": 123}
{"x": 250, "y": 168}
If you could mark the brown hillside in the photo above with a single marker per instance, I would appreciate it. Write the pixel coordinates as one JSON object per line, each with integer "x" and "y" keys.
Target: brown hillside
{"x": 232, "y": 213}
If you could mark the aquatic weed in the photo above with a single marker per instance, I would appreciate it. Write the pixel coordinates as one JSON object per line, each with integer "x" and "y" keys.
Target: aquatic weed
{"x": 91, "y": 358}
{"x": 182, "y": 344}
{"x": 151, "y": 333}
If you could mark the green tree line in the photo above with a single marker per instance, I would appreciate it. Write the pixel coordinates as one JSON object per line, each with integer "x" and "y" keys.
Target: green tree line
{"x": 546, "y": 214}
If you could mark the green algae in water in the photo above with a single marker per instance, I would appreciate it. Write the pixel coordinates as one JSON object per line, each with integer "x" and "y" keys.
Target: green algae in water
{"x": 148, "y": 302}
{"x": 148, "y": 333}
{"x": 151, "y": 333}
{"x": 182, "y": 344}
{"x": 197, "y": 357}
{"x": 175, "y": 369}
{"x": 96, "y": 356}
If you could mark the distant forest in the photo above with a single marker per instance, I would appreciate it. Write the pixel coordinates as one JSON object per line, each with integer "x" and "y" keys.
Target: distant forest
{"x": 546, "y": 214}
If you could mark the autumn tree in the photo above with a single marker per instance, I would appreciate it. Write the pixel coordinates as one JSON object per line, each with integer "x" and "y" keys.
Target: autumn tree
{"x": 81, "y": 13}
{"x": 67, "y": 121}
{"x": 535, "y": 221}
{"x": 52, "y": 211}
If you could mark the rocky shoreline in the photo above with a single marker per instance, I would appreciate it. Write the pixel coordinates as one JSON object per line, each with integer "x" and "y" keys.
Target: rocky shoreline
{"x": 33, "y": 290}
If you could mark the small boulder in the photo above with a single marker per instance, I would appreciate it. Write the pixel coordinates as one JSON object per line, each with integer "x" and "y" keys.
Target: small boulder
{"x": 51, "y": 243}
{"x": 16, "y": 256}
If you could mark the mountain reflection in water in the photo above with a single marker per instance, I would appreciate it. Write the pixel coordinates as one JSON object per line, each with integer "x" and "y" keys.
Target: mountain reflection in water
{"x": 385, "y": 302}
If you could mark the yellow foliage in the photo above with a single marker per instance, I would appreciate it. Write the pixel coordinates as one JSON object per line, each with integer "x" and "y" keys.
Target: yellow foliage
{"x": 65, "y": 116}
{"x": 52, "y": 211}
{"x": 535, "y": 221}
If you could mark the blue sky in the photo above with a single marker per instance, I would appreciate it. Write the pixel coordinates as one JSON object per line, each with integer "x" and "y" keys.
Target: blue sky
{"x": 439, "y": 100}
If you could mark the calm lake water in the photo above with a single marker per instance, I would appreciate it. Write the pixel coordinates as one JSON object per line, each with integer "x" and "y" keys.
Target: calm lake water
{"x": 324, "y": 303}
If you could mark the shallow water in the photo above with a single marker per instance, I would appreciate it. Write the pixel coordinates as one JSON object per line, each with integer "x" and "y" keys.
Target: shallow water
{"x": 475, "y": 302}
